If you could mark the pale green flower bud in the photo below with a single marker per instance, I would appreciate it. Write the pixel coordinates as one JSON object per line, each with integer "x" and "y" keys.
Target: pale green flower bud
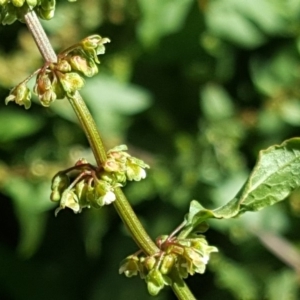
{"x": 60, "y": 181}
{"x": 149, "y": 262}
{"x": 84, "y": 65}
{"x": 21, "y": 95}
{"x": 167, "y": 263}
{"x": 48, "y": 4}
{"x": 45, "y": 14}
{"x": 156, "y": 281}
{"x": 94, "y": 45}
{"x": 69, "y": 199}
{"x": 63, "y": 66}
{"x": 71, "y": 82}
{"x": 135, "y": 169}
{"x": 47, "y": 98}
{"x": 18, "y": 3}
{"x": 32, "y": 3}
{"x": 130, "y": 266}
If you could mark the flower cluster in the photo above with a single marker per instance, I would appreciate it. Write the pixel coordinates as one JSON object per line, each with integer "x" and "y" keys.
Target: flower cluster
{"x": 181, "y": 256}
{"x": 85, "y": 185}
{"x": 63, "y": 78}
{"x": 12, "y": 10}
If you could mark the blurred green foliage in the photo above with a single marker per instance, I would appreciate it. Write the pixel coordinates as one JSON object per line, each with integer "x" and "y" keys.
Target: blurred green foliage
{"x": 195, "y": 89}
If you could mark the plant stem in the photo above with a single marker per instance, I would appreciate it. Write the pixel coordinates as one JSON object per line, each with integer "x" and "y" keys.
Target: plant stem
{"x": 88, "y": 124}
{"x": 122, "y": 205}
{"x": 40, "y": 37}
{"x": 182, "y": 291}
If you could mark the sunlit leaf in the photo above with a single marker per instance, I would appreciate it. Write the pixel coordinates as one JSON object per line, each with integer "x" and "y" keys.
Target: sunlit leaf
{"x": 169, "y": 16}
{"x": 216, "y": 103}
{"x": 274, "y": 177}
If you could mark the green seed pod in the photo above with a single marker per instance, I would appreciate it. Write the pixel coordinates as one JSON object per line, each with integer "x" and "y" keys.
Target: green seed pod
{"x": 149, "y": 262}
{"x": 155, "y": 282}
{"x": 47, "y": 98}
{"x": 48, "y": 4}
{"x": 81, "y": 192}
{"x": 45, "y": 14}
{"x": 58, "y": 89}
{"x": 63, "y": 66}
{"x": 84, "y": 65}
{"x": 71, "y": 82}
{"x": 60, "y": 182}
{"x": 32, "y": 3}
{"x": 18, "y": 3}
{"x": 69, "y": 199}
{"x": 167, "y": 263}
{"x": 55, "y": 196}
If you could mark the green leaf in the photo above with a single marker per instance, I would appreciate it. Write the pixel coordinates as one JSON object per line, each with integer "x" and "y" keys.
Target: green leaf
{"x": 274, "y": 177}
{"x": 216, "y": 103}
{"x": 17, "y": 124}
{"x": 169, "y": 17}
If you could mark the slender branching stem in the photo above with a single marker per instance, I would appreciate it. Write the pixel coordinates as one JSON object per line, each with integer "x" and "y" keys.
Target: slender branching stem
{"x": 40, "y": 37}
{"x": 122, "y": 205}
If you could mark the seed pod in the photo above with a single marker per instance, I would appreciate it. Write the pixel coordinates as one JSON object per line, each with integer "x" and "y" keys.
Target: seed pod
{"x": 17, "y": 3}
{"x": 60, "y": 182}
{"x": 63, "y": 66}
{"x": 45, "y": 14}
{"x": 48, "y": 5}
{"x": 167, "y": 263}
{"x": 149, "y": 262}
{"x": 32, "y": 3}
{"x": 70, "y": 82}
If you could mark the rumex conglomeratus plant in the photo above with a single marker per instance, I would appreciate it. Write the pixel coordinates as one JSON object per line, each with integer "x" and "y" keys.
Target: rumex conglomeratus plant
{"x": 171, "y": 258}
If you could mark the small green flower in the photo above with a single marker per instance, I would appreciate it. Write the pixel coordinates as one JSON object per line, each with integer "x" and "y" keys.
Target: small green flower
{"x": 60, "y": 182}
{"x": 94, "y": 45}
{"x": 69, "y": 199}
{"x": 45, "y": 14}
{"x": 18, "y": 3}
{"x": 168, "y": 263}
{"x": 32, "y": 3}
{"x": 21, "y": 95}
{"x": 48, "y": 4}
{"x": 84, "y": 65}
{"x": 135, "y": 169}
{"x": 71, "y": 82}
{"x": 156, "y": 281}
{"x": 102, "y": 194}
{"x": 130, "y": 266}
{"x": 63, "y": 66}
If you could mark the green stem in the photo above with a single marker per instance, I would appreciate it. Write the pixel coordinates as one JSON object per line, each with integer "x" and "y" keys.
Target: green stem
{"x": 182, "y": 291}
{"x": 122, "y": 205}
{"x": 88, "y": 124}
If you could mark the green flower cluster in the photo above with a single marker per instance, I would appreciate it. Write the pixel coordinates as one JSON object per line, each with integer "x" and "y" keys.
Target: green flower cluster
{"x": 178, "y": 257}
{"x": 12, "y": 10}
{"x": 85, "y": 185}
{"x": 63, "y": 78}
